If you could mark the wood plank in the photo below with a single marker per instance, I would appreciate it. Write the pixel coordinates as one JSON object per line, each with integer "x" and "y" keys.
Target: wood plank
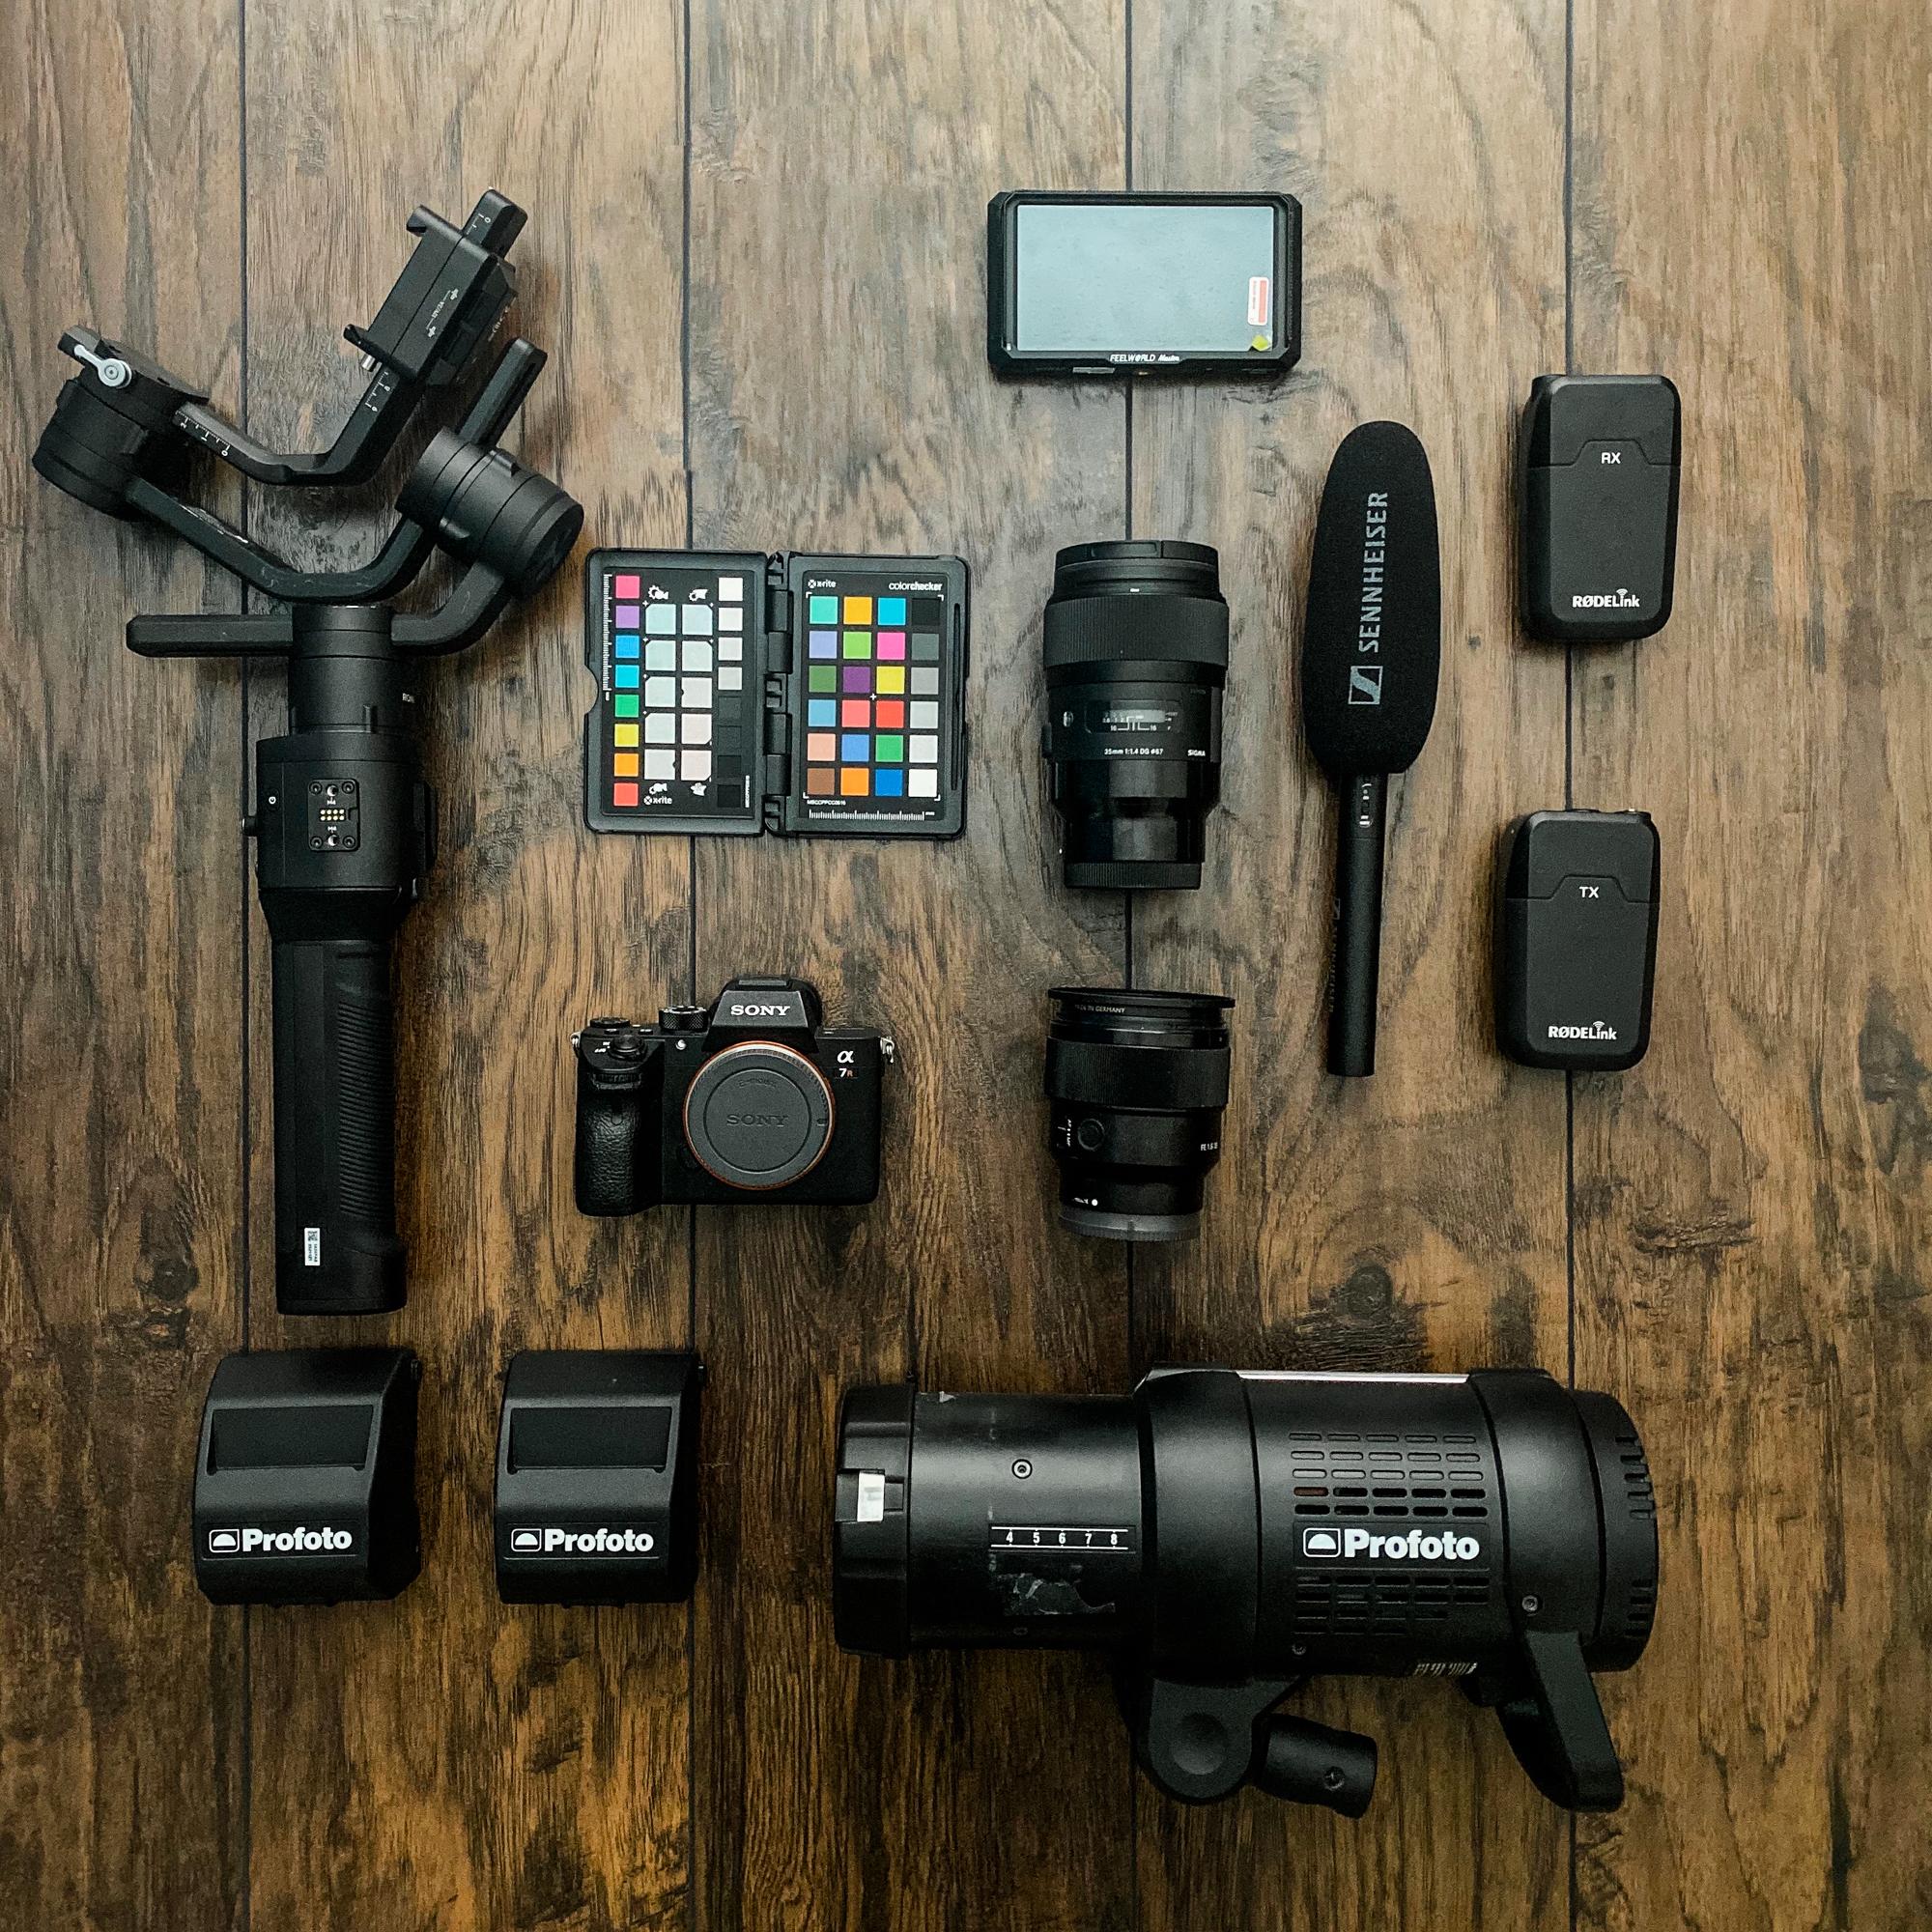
{"x": 446, "y": 1760}
{"x": 121, "y": 1725}
{"x": 1753, "y": 1208}
{"x": 842, "y": 400}
{"x": 1414, "y": 1221}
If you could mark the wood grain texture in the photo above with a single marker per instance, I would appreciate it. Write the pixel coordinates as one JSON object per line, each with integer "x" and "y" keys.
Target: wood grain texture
{"x": 1748, "y": 201}
{"x": 841, "y": 400}
{"x": 1414, "y": 1220}
{"x": 120, "y": 1730}
{"x": 1752, "y": 1210}
{"x": 446, "y": 1760}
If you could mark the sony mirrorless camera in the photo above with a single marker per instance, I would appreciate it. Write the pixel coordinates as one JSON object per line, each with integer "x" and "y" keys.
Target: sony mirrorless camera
{"x": 755, "y": 1098}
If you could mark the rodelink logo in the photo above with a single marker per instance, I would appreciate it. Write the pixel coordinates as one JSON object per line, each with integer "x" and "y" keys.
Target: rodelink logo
{"x": 1596, "y": 1029}
{"x": 252, "y": 1540}
{"x": 1408, "y": 1546}
{"x": 602, "y": 1541}
{"x": 1607, "y": 600}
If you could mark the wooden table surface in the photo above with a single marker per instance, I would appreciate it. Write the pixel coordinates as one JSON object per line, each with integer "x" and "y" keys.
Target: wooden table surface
{"x": 755, "y": 258}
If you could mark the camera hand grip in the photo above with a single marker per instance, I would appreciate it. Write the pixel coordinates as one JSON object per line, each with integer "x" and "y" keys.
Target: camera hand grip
{"x": 336, "y": 1247}
{"x": 607, "y": 1142}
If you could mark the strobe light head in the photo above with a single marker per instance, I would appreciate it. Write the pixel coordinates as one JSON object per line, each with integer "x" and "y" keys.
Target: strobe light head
{"x": 1230, "y": 1534}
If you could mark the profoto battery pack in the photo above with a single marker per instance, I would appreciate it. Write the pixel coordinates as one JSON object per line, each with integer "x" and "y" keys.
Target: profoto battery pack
{"x": 1577, "y": 940}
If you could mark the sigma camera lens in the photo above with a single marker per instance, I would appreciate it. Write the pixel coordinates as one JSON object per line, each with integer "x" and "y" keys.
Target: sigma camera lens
{"x": 1136, "y": 1082}
{"x": 1136, "y": 654}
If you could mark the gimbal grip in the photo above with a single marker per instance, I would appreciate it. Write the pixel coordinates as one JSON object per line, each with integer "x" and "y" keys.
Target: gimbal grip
{"x": 336, "y": 1247}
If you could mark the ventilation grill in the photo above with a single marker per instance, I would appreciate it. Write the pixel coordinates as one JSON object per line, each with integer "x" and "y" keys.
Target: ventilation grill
{"x": 1352, "y": 1606}
{"x": 1384, "y": 1474}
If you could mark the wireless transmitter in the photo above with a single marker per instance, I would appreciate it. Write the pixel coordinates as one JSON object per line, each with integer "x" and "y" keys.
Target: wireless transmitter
{"x": 1597, "y": 507}
{"x": 1577, "y": 940}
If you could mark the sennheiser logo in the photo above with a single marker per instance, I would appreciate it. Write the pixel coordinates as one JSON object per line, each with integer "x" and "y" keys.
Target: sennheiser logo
{"x": 1413, "y": 1546}
{"x": 1596, "y": 1029}
{"x": 249, "y": 1540}
{"x": 602, "y": 1541}
{"x": 1365, "y": 680}
{"x": 1607, "y": 600}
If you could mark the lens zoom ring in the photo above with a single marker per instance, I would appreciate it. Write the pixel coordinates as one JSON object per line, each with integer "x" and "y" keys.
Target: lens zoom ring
{"x": 1161, "y": 628}
{"x": 1093, "y": 1074}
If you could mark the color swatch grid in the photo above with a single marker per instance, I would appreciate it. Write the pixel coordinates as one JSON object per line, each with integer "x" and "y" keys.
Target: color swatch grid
{"x": 678, "y": 690}
{"x": 872, "y": 696}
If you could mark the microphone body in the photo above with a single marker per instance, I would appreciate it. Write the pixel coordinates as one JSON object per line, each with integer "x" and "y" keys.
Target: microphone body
{"x": 1370, "y": 658}
{"x": 1358, "y": 926}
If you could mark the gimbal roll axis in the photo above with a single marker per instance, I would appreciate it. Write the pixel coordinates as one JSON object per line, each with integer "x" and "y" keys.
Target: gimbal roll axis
{"x": 344, "y": 821}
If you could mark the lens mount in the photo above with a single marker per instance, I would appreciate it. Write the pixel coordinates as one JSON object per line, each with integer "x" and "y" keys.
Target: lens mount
{"x": 757, "y": 1116}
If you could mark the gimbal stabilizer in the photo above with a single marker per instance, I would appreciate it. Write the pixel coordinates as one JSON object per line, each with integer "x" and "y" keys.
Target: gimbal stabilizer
{"x": 345, "y": 830}
{"x": 344, "y": 820}
{"x": 124, "y": 416}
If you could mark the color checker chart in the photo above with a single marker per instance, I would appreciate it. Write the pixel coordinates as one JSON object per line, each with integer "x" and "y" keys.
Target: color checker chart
{"x": 802, "y": 693}
{"x": 678, "y": 644}
{"x": 872, "y": 699}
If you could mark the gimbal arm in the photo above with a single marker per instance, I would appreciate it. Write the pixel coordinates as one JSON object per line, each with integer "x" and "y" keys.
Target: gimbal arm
{"x": 443, "y": 306}
{"x": 407, "y": 543}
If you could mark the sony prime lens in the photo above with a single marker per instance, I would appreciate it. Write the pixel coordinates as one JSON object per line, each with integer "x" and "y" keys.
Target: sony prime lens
{"x": 1136, "y": 1082}
{"x": 1136, "y": 653}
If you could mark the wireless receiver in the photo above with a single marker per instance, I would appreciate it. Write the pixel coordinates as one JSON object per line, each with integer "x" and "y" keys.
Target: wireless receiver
{"x": 1370, "y": 658}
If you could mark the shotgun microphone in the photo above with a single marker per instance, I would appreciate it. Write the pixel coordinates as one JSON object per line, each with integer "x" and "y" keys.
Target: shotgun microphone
{"x": 1370, "y": 656}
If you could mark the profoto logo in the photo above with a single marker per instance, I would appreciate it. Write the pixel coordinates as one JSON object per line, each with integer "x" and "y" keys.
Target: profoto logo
{"x": 1411, "y": 1545}
{"x": 250, "y": 1540}
{"x": 602, "y": 1541}
{"x": 1365, "y": 680}
{"x": 1607, "y": 600}
{"x": 1596, "y": 1029}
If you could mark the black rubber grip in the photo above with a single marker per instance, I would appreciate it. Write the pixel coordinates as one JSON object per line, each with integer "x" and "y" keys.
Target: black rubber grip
{"x": 336, "y": 1248}
{"x": 1358, "y": 927}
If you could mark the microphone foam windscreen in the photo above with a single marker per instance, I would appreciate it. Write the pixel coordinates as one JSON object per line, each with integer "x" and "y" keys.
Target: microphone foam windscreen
{"x": 1372, "y": 645}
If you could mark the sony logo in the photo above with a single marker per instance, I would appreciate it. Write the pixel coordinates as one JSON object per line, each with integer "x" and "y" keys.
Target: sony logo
{"x": 601, "y": 1541}
{"x": 756, "y": 1119}
{"x": 249, "y": 1540}
{"x": 1410, "y": 1546}
{"x": 775, "y": 1012}
{"x": 1596, "y": 1029}
{"x": 1607, "y": 600}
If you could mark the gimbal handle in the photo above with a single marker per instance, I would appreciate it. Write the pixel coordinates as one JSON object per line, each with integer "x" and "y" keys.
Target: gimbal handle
{"x": 408, "y": 544}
